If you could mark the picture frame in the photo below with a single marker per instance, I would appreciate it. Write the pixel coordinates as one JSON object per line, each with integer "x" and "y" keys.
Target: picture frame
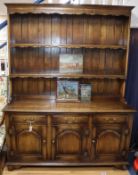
{"x": 67, "y": 90}
{"x": 85, "y": 92}
{"x": 71, "y": 63}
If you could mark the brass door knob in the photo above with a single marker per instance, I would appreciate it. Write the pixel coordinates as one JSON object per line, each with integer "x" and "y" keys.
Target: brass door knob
{"x": 93, "y": 141}
{"x": 44, "y": 141}
{"x": 53, "y": 141}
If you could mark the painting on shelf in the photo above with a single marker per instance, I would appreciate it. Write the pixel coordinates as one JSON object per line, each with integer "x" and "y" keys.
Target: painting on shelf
{"x": 67, "y": 90}
{"x": 71, "y": 63}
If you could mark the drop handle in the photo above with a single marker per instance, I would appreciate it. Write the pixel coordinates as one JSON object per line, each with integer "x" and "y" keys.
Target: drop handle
{"x": 30, "y": 122}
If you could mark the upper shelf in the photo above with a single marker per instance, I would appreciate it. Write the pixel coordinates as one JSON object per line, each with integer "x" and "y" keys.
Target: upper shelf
{"x": 69, "y": 9}
{"x": 70, "y": 46}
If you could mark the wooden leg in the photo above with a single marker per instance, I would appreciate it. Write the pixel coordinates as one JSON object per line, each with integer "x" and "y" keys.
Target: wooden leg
{"x": 10, "y": 168}
{"x": 2, "y": 161}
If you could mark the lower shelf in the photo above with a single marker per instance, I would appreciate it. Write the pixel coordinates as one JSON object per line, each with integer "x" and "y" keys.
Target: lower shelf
{"x": 99, "y": 105}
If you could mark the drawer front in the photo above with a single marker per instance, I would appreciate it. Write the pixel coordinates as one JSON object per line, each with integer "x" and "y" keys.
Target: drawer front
{"x": 26, "y": 118}
{"x": 110, "y": 118}
{"x": 69, "y": 119}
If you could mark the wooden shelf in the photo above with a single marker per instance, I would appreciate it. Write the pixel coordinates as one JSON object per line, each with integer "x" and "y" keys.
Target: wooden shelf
{"x": 66, "y": 75}
{"x": 70, "y": 46}
{"x": 96, "y": 106}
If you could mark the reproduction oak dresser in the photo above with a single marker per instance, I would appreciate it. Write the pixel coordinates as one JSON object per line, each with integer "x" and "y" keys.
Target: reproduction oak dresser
{"x": 44, "y": 132}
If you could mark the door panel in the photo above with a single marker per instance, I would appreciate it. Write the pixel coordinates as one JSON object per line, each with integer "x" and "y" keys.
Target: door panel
{"x": 70, "y": 138}
{"x": 28, "y": 137}
{"x": 28, "y": 142}
{"x": 68, "y": 142}
{"x": 109, "y": 137}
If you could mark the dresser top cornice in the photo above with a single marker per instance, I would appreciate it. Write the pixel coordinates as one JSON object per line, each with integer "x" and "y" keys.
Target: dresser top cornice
{"x": 69, "y": 9}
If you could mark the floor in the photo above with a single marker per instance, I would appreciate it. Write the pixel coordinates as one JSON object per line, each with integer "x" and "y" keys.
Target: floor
{"x": 66, "y": 171}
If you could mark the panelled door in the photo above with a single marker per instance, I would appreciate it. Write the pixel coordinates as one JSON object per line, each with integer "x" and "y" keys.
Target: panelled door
{"x": 110, "y": 134}
{"x": 70, "y": 138}
{"x": 27, "y": 137}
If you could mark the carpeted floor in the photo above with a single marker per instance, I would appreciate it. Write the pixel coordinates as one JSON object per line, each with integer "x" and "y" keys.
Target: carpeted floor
{"x": 66, "y": 171}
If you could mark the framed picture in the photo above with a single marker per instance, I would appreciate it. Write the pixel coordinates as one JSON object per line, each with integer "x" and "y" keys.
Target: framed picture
{"x": 67, "y": 90}
{"x": 71, "y": 63}
{"x": 85, "y": 92}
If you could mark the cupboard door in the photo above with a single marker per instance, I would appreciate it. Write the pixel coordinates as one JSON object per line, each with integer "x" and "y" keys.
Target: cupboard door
{"x": 70, "y": 135}
{"x": 28, "y": 137}
{"x": 110, "y": 133}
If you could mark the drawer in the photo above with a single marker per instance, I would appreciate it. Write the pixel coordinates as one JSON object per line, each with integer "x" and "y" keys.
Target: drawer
{"x": 103, "y": 118}
{"x": 24, "y": 118}
{"x": 67, "y": 119}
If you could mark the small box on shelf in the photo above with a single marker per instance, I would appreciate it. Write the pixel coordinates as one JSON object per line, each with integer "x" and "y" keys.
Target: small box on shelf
{"x": 85, "y": 92}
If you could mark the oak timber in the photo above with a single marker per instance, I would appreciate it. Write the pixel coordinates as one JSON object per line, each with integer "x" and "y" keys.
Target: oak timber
{"x": 44, "y": 132}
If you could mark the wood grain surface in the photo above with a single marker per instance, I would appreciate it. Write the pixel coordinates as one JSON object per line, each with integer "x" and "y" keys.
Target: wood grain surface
{"x": 42, "y": 131}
